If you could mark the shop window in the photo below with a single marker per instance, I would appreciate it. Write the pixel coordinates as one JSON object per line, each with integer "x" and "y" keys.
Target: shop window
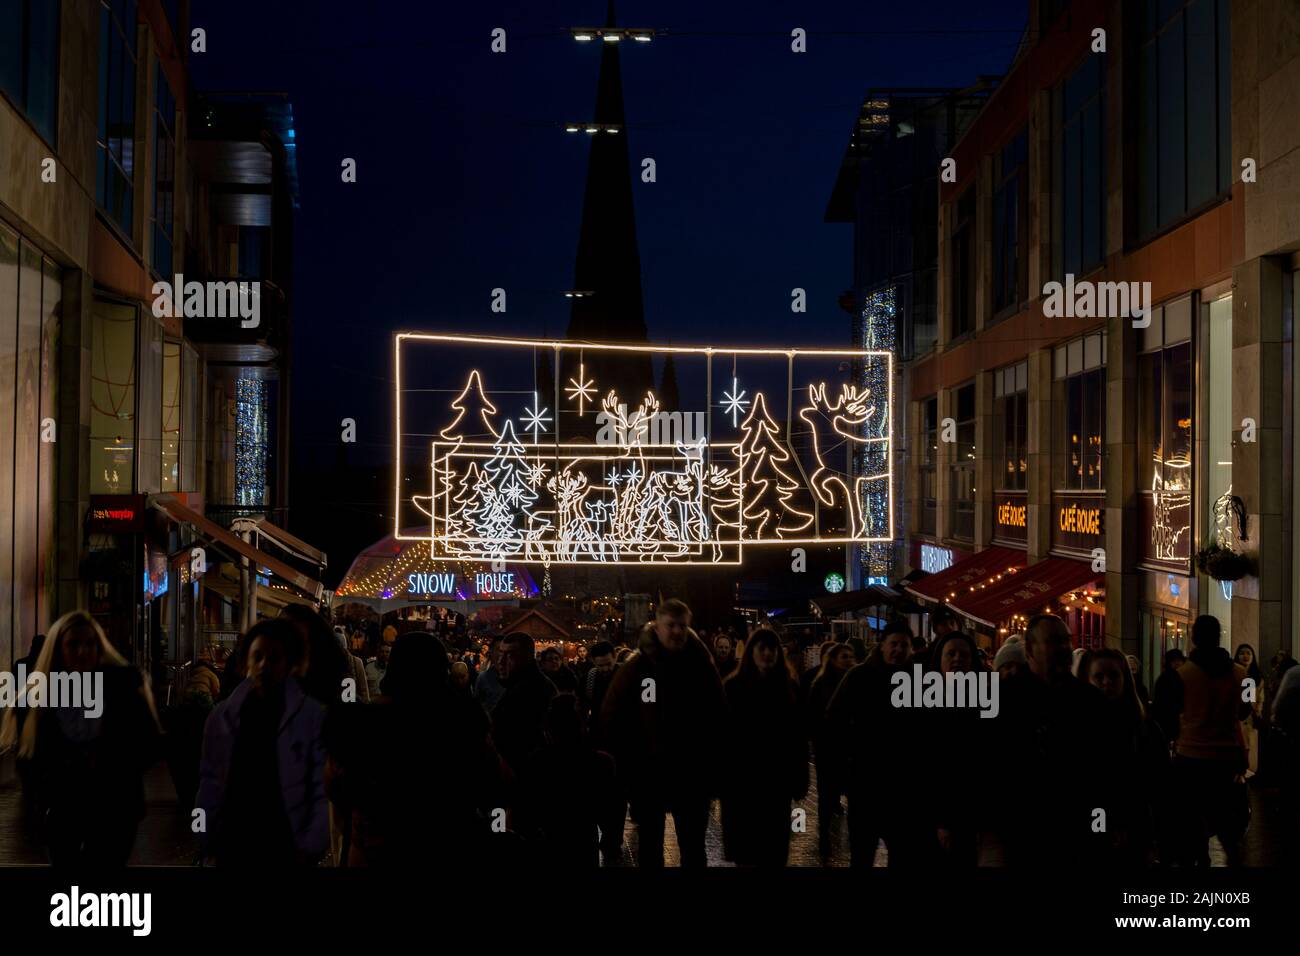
{"x": 1010, "y": 224}
{"x": 929, "y": 459}
{"x": 1183, "y": 122}
{"x": 171, "y": 416}
{"x": 112, "y": 398}
{"x": 29, "y": 61}
{"x": 164, "y": 176}
{"x": 1165, "y": 432}
{"x": 30, "y": 304}
{"x": 1011, "y": 419}
{"x": 115, "y": 166}
{"x": 1079, "y": 162}
{"x": 964, "y": 243}
{"x": 963, "y": 472}
{"x": 1079, "y": 412}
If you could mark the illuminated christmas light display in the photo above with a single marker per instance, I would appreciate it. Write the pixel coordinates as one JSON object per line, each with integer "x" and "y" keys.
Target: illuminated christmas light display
{"x": 250, "y": 441}
{"x": 665, "y": 500}
{"x": 734, "y": 401}
{"x": 582, "y": 389}
{"x": 879, "y": 330}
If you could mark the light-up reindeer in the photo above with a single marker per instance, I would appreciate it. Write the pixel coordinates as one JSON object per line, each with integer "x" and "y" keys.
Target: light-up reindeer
{"x": 847, "y": 416}
{"x": 575, "y": 530}
{"x": 630, "y": 433}
{"x": 672, "y": 504}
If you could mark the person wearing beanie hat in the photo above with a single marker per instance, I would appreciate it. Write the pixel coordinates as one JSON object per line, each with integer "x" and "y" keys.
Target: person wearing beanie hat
{"x": 1010, "y": 658}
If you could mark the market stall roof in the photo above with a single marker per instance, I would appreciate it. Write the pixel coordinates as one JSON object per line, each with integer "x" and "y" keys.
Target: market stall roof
{"x": 236, "y": 546}
{"x": 1025, "y": 593}
{"x": 379, "y": 576}
{"x": 978, "y": 569}
{"x": 875, "y": 595}
{"x": 275, "y": 597}
{"x": 916, "y": 574}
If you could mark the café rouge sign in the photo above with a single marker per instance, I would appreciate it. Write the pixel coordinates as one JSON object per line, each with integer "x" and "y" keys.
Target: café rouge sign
{"x": 1011, "y": 515}
{"x": 1075, "y": 520}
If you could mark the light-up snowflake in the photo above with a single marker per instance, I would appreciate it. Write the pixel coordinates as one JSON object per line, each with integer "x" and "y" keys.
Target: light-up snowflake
{"x": 734, "y": 402}
{"x": 536, "y": 419}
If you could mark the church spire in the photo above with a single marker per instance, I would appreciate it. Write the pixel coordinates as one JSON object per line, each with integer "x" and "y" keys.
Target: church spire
{"x": 608, "y": 262}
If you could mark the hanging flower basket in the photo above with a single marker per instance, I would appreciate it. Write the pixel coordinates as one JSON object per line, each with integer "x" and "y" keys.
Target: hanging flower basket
{"x": 1224, "y": 564}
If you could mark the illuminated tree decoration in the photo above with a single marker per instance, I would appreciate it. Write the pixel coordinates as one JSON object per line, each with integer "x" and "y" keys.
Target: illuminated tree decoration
{"x": 769, "y": 487}
{"x": 504, "y": 494}
{"x": 473, "y": 403}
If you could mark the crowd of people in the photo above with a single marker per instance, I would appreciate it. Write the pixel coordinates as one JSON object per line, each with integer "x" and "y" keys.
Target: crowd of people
{"x": 304, "y": 753}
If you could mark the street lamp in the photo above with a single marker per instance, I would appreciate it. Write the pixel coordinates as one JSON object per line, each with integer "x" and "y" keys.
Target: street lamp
{"x": 614, "y": 34}
{"x": 592, "y": 128}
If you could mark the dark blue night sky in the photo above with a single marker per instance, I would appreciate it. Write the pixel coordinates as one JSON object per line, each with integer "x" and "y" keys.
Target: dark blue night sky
{"x": 466, "y": 181}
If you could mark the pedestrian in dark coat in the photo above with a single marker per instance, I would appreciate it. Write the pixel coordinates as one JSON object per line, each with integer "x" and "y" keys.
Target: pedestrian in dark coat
{"x": 956, "y": 743}
{"x": 766, "y": 762}
{"x": 85, "y": 759}
{"x": 880, "y": 746}
{"x": 663, "y": 717}
{"x": 1132, "y": 783}
{"x": 262, "y": 775}
{"x": 1047, "y": 743}
{"x": 837, "y": 660}
{"x": 519, "y": 720}
{"x": 418, "y": 768}
{"x": 568, "y": 795}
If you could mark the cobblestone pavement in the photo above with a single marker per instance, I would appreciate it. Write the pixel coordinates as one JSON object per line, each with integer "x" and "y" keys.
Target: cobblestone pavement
{"x": 164, "y": 838}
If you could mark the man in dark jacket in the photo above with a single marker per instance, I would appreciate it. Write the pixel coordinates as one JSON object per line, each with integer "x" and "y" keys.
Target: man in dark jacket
{"x": 877, "y": 746}
{"x": 519, "y": 720}
{"x": 663, "y": 717}
{"x": 1048, "y": 741}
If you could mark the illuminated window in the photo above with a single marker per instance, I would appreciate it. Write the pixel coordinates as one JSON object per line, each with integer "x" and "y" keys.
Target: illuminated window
{"x": 1079, "y": 406}
{"x": 963, "y": 472}
{"x": 1011, "y": 419}
{"x": 112, "y": 398}
{"x": 929, "y": 458}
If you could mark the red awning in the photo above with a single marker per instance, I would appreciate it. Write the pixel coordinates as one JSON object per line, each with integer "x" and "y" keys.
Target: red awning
{"x": 1026, "y": 593}
{"x": 967, "y": 573}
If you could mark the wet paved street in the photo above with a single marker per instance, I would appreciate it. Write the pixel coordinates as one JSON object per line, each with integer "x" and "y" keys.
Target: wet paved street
{"x": 165, "y": 839}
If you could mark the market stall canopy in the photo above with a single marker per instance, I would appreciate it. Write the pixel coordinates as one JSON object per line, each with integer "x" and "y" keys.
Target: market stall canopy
{"x": 916, "y": 574}
{"x": 1026, "y": 593}
{"x": 395, "y": 572}
{"x": 235, "y": 546}
{"x": 979, "y": 569}
{"x": 226, "y": 583}
{"x": 876, "y": 595}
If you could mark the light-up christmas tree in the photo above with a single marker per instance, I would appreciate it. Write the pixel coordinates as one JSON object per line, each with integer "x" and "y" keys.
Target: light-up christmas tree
{"x": 768, "y": 488}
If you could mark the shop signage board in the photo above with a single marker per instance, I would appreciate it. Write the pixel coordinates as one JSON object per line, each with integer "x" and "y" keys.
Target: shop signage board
{"x": 117, "y": 514}
{"x": 1078, "y": 523}
{"x": 1011, "y": 517}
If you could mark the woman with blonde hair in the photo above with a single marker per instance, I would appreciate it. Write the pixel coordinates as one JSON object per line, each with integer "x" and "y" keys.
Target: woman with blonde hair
{"x": 86, "y": 758}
